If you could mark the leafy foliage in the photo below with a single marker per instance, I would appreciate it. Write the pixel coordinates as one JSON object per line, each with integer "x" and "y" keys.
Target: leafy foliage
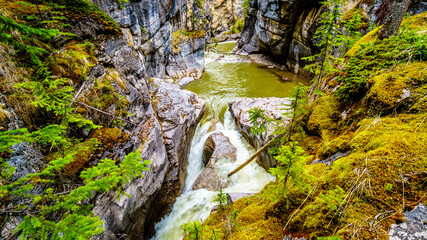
{"x": 77, "y": 220}
{"x": 290, "y": 166}
{"x": 7, "y": 24}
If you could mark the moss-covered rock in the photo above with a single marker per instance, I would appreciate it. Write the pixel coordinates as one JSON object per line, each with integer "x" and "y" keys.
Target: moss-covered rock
{"x": 390, "y": 89}
{"x": 324, "y": 114}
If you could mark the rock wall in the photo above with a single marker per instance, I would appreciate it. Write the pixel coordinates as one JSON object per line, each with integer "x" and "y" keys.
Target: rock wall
{"x": 284, "y": 29}
{"x": 280, "y": 29}
{"x": 222, "y": 14}
{"x": 163, "y": 117}
{"x": 148, "y": 26}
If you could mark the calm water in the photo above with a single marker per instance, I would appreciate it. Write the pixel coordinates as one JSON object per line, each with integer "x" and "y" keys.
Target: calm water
{"x": 225, "y": 79}
{"x": 231, "y": 77}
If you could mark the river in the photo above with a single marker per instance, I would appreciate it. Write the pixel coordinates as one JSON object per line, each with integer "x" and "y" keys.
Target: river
{"x": 226, "y": 77}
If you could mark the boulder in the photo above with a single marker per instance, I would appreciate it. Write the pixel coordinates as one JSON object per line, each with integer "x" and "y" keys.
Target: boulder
{"x": 281, "y": 29}
{"x": 274, "y": 108}
{"x": 217, "y": 147}
{"x": 415, "y": 226}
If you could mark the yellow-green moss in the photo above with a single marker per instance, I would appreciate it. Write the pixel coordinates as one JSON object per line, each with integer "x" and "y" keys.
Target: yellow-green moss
{"x": 81, "y": 153}
{"x": 388, "y": 88}
{"x": 324, "y": 114}
{"x": 417, "y": 22}
{"x": 332, "y": 146}
{"x": 74, "y": 61}
{"x": 252, "y": 219}
{"x": 370, "y": 37}
{"x": 181, "y": 36}
{"x": 114, "y": 76}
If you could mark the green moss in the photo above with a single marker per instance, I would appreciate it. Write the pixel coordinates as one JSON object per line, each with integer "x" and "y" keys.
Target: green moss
{"x": 238, "y": 26}
{"x": 180, "y": 36}
{"x": 332, "y": 146}
{"x": 74, "y": 61}
{"x": 82, "y": 153}
{"x": 388, "y": 89}
{"x": 324, "y": 114}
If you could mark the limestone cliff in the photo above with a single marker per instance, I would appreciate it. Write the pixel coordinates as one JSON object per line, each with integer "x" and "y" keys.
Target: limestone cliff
{"x": 110, "y": 74}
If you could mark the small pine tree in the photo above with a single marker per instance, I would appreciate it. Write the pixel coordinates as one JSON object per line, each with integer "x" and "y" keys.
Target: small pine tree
{"x": 221, "y": 199}
{"x": 290, "y": 167}
{"x": 328, "y": 41}
{"x": 193, "y": 230}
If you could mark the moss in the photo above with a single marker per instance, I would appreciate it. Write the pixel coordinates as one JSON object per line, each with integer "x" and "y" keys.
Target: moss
{"x": 238, "y": 26}
{"x": 417, "y": 22}
{"x": 356, "y": 10}
{"x": 114, "y": 76}
{"x": 253, "y": 220}
{"x": 332, "y": 146}
{"x": 181, "y": 36}
{"x": 389, "y": 88}
{"x": 3, "y": 114}
{"x": 74, "y": 61}
{"x": 82, "y": 153}
{"x": 370, "y": 37}
{"x": 324, "y": 114}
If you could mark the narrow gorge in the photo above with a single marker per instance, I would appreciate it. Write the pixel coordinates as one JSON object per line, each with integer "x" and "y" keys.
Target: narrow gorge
{"x": 123, "y": 119}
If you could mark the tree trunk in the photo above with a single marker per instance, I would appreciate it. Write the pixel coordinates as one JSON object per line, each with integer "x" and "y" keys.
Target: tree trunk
{"x": 392, "y": 23}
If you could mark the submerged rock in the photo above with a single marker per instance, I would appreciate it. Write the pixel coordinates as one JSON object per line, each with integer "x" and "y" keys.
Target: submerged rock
{"x": 217, "y": 147}
{"x": 274, "y": 108}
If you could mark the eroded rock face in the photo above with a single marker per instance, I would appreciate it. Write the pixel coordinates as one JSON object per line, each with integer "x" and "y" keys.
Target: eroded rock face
{"x": 217, "y": 147}
{"x": 187, "y": 62}
{"x": 25, "y": 159}
{"x": 122, "y": 66}
{"x": 281, "y": 29}
{"x": 223, "y": 14}
{"x": 147, "y": 26}
{"x": 179, "y": 112}
{"x": 274, "y": 108}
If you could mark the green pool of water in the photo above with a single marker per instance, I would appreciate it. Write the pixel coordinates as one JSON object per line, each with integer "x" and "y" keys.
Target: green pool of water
{"x": 228, "y": 77}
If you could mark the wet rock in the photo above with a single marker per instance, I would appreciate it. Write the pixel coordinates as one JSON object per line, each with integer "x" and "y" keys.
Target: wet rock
{"x": 332, "y": 159}
{"x": 274, "y": 108}
{"x": 25, "y": 159}
{"x": 217, "y": 147}
{"x": 128, "y": 217}
{"x": 147, "y": 26}
{"x": 282, "y": 29}
{"x": 415, "y": 227}
{"x": 179, "y": 112}
{"x": 210, "y": 179}
{"x": 187, "y": 62}
{"x": 236, "y": 196}
{"x": 220, "y": 13}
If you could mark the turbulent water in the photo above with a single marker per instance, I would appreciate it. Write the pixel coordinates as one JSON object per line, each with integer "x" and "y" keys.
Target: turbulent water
{"x": 227, "y": 77}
